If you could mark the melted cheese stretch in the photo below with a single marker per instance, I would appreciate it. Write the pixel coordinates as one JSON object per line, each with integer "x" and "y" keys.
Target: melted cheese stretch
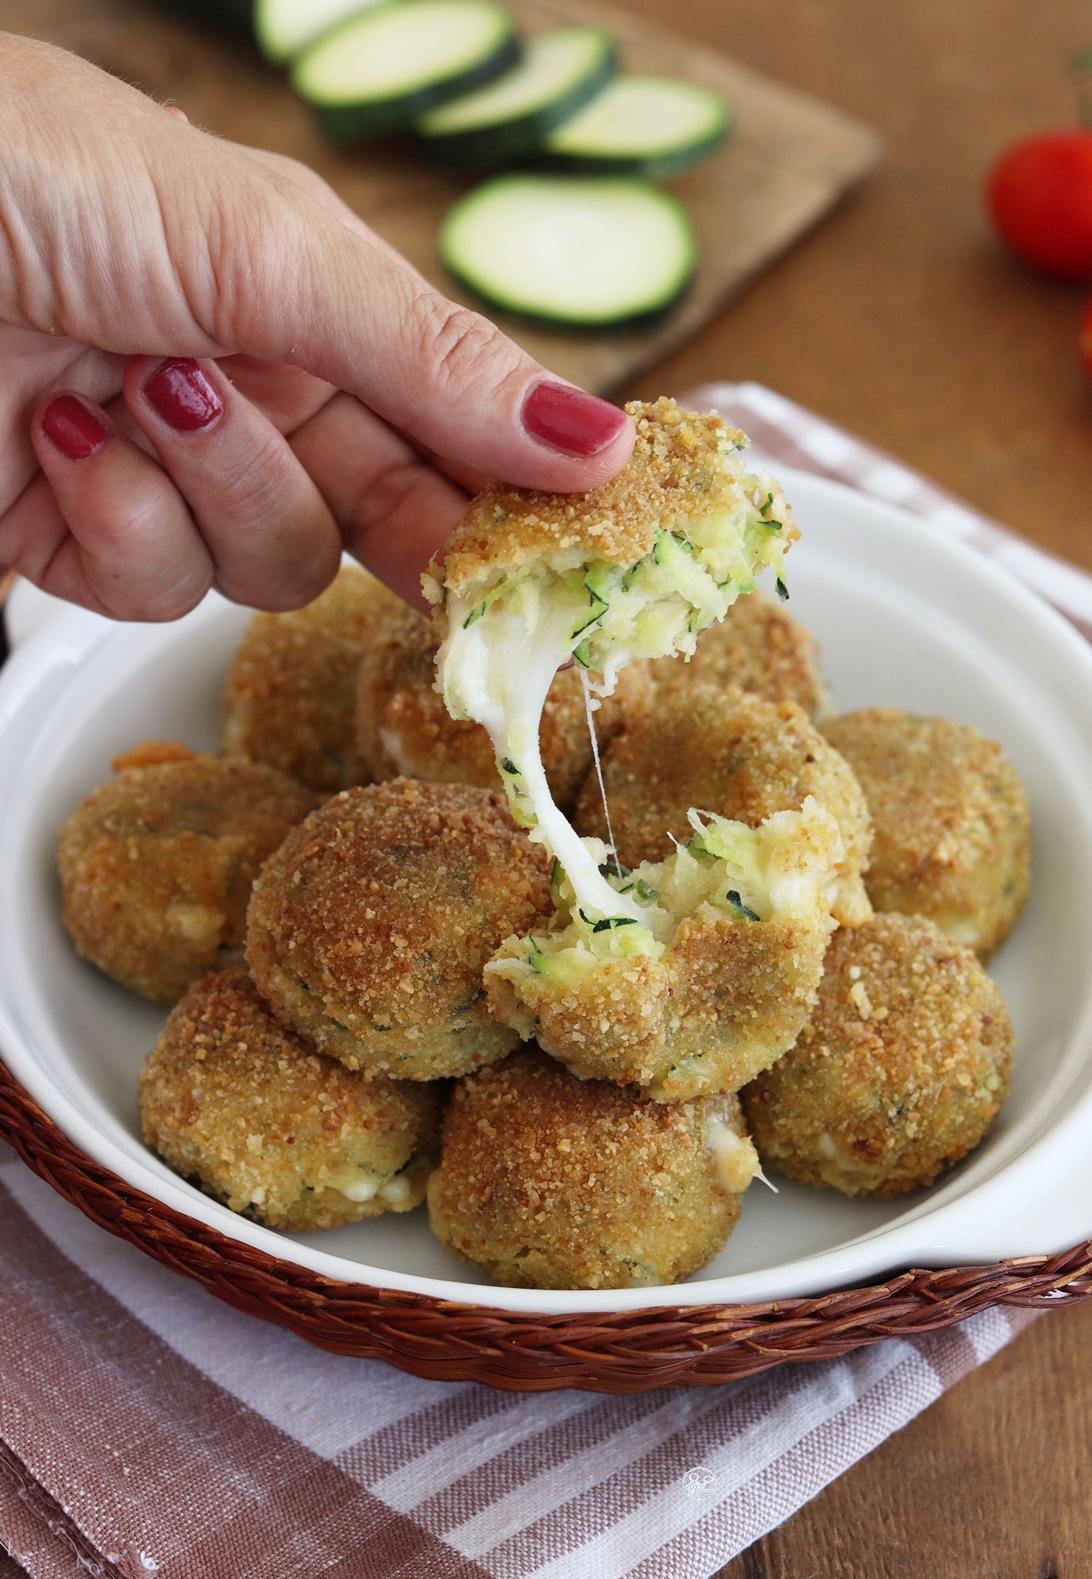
{"x": 504, "y": 647}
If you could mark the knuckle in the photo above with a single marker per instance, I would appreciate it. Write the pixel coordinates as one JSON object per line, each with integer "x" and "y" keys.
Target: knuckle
{"x": 455, "y": 344}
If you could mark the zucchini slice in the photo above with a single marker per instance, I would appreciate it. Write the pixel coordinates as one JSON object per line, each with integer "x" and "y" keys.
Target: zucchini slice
{"x": 641, "y": 126}
{"x": 571, "y": 253}
{"x": 285, "y": 28}
{"x": 379, "y": 72}
{"x": 561, "y": 70}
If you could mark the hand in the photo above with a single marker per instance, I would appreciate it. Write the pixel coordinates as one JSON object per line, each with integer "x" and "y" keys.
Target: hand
{"x": 213, "y": 374}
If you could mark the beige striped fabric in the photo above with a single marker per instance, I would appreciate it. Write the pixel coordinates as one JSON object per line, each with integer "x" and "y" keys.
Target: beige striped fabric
{"x": 145, "y": 1428}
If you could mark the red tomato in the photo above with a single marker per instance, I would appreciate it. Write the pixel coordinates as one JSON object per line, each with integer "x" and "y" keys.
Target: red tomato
{"x": 1084, "y": 337}
{"x": 1040, "y": 196}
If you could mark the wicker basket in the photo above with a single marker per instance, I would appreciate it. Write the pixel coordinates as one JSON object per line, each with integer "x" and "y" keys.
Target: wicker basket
{"x": 625, "y": 1352}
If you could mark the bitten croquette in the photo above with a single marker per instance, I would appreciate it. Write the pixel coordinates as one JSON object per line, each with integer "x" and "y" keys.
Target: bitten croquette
{"x": 369, "y": 927}
{"x": 266, "y": 1124}
{"x": 290, "y": 693}
{"x": 403, "y": 727}
{"x": 156, "y": 865}
{"x": 900, "y": 1071}
{"x": 757, "y": 646}
{"x": 546, "y": 1181}
{"x": 733, "y": 755}
{"x": 951, "y": 822}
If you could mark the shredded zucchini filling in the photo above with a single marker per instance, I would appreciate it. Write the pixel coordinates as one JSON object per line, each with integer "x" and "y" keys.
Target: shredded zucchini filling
{"x": 506, "y": 641}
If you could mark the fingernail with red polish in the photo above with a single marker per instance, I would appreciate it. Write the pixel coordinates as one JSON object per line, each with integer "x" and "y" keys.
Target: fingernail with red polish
{"x": 183, "y": 396}
{"x": 71, "y": 428}
{"x": 569, "y": 420}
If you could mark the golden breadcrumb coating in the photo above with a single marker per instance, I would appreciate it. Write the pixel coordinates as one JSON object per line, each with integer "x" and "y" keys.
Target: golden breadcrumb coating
{"x": 550, "y": 1182}
{"x": 900, "y": 1071}
{"x": 731, "y": 754}
{"x": 157, "y": 864}
{"x": 403, "y": 727}
{"x": 369, "y": 927}
{"x": 290, "y": 692}
{"x": 758, "y": 647}
{"x": 711, "y": 990}
{"x": 677, "y": 472}
{"x": 266, "y": 1124}
{"x": 951, "y": 822}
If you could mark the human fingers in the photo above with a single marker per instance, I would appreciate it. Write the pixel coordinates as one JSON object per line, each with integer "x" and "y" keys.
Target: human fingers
{"x": 101, "y": 524}
{"x": 272, "y": 538}
{"x": 393, "y": 508}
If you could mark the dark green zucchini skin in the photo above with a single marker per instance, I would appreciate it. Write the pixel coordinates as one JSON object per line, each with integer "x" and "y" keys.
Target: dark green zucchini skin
{"x": 657, "y": 167}
{"x": 510, "y": 142}
{"x": 354, "y": 123}
{"x": 635, "y": 323}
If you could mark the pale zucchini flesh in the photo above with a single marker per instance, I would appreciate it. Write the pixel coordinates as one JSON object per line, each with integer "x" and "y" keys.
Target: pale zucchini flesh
{"x": 573, "y": 253}
{"x": 562, "y": 69}
{"x": 643, "y": 126}
{"x": 379, "y": 72}
{"x": 284, "y": 28}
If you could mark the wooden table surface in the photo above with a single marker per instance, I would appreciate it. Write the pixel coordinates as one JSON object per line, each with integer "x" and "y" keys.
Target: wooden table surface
{"x": 901, "y": 319}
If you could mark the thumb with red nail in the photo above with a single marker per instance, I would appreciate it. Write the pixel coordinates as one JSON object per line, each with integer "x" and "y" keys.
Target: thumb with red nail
{"x": 229, "y": 377}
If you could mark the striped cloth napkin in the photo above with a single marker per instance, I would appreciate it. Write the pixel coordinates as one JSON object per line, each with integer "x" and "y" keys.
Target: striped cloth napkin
{"x": 145, "y": 1428}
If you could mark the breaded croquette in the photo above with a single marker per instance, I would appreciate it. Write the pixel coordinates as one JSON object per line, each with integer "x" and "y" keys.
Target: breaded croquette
{"x": 900, "y": 1071}
{"x": 757, "y": 646}
{"x": 951, "y": 822}
{"x": 731, "y": 754}
{"x": 157, "y": 864}
{"x": 369, "y": 927}
{"x": 263, "y": 1122}
{"x": 403, "y": 727}
{"x": 550, "y": 1182}
{"x": 290, "y": 693}
{"x": 710, "y": 987}
{"x": 632, "y": 570}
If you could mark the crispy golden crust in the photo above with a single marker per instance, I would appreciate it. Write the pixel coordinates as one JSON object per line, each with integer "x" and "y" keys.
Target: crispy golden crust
{"x": 900, "y": 1072}
{"x": 290, "y": 692}
{"x": 683, "y": 465}
{"x": 369, "y": 928}
{"x": 156, "y": 865}
{"x": 403, "y": 727}
{"x": 731, "y": 754}
{"x": 550, "y": 1182}
{"x": 726, "y": 1000}
{"x": 952, "y": 827}
{"x": 261, "y": 1121}
{"x": 757, "y": 647}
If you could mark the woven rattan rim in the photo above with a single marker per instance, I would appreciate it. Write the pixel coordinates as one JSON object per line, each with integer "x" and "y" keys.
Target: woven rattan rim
{"x": 623, "y": 1352}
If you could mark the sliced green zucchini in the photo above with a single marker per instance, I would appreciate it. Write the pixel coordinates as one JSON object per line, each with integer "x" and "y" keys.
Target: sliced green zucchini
{"x": 571, "y": 253}
{"x": 285, "y": 28}
{"x": 561, "y": 70}
{"x": 379, "y": 72}
{"x": 641, "y": 126}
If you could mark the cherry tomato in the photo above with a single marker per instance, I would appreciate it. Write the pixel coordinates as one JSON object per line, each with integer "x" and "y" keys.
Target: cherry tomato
{"x": 1040, "y": 197}
{"x": 1084, "y": 337}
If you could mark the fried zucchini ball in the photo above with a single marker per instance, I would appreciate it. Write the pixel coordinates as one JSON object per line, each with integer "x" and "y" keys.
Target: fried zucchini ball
{"x": 951, "y": 822}
{"x": 710, "y": 987}
{"x": 632, "y": 570}
{"x": 290, "y": 693}
{"x": 269, "y": 1126}
{"x": 403, "y": 727}
{"x": 900, "y": 1071}
{"x": 157, "y": 864}
{"x": 731, "y": 754}
{"x": 369, "y": 927}
{"x": 758, "y": 647}
{"x": 550, "y": 1182}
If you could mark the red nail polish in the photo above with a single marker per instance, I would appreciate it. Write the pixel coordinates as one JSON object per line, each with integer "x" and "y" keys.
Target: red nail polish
{"x": 71, "y": 428}
{"x": 569, "y": 420}
{"x": 182, "y": 395}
